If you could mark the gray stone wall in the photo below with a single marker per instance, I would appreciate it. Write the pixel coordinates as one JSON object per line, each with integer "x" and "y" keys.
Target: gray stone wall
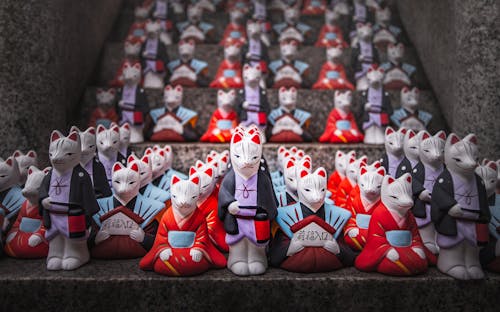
{"x": 48, "y": 51}
{"x": 458, "y": 44}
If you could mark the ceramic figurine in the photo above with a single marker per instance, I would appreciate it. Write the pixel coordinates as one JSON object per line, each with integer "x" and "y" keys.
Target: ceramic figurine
{"x": 147, "y": 188}
{"x": 124, "y": 148}
{"x": 223, "y": 120}
{"x": 157, "y": 158}
{"x": 350, "y": 182}
{"x": 24, "y": 161}
{"x": 411, "y": 150}
{"x": 260, "y": 18}
{"x": 132, "y": 51}
{"x": 172, "y": 122}
{"x": 281, "y": 5}
{"x": 108, "y": 142}
{"x": 292, "y": 29}
{"x": 376, "y": 108}
{"x": 394, "y": 151}
{"x": 314, "y": 7}
{"x": 255, "y": 51}
{"x": 104, "y": 113}
{"x": 246, "y": 205}
{"x": 154, "y": 57}
{"x": 307, "y": 239}
{"x": 409, "y": 116}
{"x": 251, "y": 104}
{"x": 458, "y": 204}
{"x": 360, "y": 14}
{"x": 331, "y": 31}
{"x": 208, "y": 202}
{"x": 394, "y": 246}
{"x": 229, "y": 72}
{"x": 67, "y": 204}
{"x": 194, "y": 28}
{"x": 162, "y": 13}
{"x": 11, "y": 197}
{"x": 26, "y": 238}
{"x": 137, "y": 29}
{"x": 363, "y": 55}
{"x": 288, "y": 71}
{"x": 292, "y": 166}
{"x": 90, "y": 162}
{"x": 182, "y": 246}
{"x": 223, "y": 164}
{"x": 397, "y": 73}
{"x": 235, "y": 32}
{"x": 425, "y": 174}
{"x": 490, "y": 254}
{"x": 126, "y": 220}
{"x": 383, "y": 32}
{"x": 163, "y": 181}
{"x": 332, "y": 74}
{"x": 341, "y": 125}
{"x": 362, "y": 203}
{"x": 206, "y": 5}
{"x": 188, "y": 71}
{"x": 341, "y": 161}
{"x": 289, "y": 124}
{"x": 132, "y": 102}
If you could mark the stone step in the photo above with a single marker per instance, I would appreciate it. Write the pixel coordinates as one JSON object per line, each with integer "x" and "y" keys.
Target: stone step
{"x": 319, "y": 103}
{"x": 213, "y": 54}
{"x": 121, "y": 286}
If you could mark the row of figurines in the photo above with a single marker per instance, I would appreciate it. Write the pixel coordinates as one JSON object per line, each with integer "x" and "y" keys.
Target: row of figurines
{"x": 174, "y": 122}
{"x": 155, "y": 67}
{"x": 426, "y": 202}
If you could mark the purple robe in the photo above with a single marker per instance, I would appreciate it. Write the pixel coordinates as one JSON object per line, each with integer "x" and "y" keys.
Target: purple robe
{"x": 430, "y": 179}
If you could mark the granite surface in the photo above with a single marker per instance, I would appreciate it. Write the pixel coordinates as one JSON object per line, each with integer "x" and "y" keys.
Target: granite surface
{"x": 458, "y": 44}
{"x": 48, "y": 52}
{"x": 122, "y": 286}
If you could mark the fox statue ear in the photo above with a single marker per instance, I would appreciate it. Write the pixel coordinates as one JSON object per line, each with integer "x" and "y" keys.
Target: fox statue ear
{"x": 209, "y": 172}
{"x": 74, "y": 136}
{"x": 471, "y": 138}
{"x": 256, "y": 139}
{"x": 411, "y": 134}
{"x": 388, "y": 179}
{"x": 453, "y": 139}
{"x": 363, "y": 170}
{"x": 381, "y": 171}
{"x": 17, "y": 153}
{"x": 56, "y": 135}
{"x": 303, "y": 173}
{"x": 199, "y": 164}
{"x": 290, "y": 164}
{"x": 100, "y": 128}
{"x": 237, "y": 138}
{"x": 389, "y": 130}
{"x": 117, "y": 166}
{"x": 441, "y": 134}
{"x": 321, "y": 172}
{"x": 195, "y": 179}
{"x": 174, "y": 180}
{"x": 492, "y": 165}
{"x": 425, "y": 135}
{"x": 192, "y": 170}
{"x": 407, "y": 177}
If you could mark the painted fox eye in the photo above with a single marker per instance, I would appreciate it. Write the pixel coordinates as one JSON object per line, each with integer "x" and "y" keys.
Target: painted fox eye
{"x": 457, "y": 159}
{"x": 362, "y": 185}
{"x": 426, "y": 150}
{"x": 322, "y": 190}
{"x": 193, "y": 197}
{"x": 393, "y": 197}
{"x": 117, "y": 182}
{"x": 69, "y": 154}
{"x": 237, "y": 156}
{"x": 114, "y": 142}
{"x": 307, "y": 190}
{"x": 131, "y": 182}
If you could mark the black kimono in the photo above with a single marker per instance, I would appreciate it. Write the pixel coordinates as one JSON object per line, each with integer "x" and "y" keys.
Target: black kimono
{"x": 264, "y": 106}
{"x": 140, "y": 107}
{"x": 101, "y": 185}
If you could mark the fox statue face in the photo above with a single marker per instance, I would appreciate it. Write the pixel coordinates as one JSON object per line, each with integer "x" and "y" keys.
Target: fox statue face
{"x": 311, "y": 188}
{"x": 370, "y": 181}
{"x": 343, "y": 101}
{"x": 157, "y": 160}
{"x": 331, "y": 16}
{"x": 253, "y": 29}
{"x": 31, "y": 188}
{"x": 461, "y": 156}
{"x": 395, "y": 52}
{"x": 145, "y": 169}
{"x": 194, "y": 13}
{"x": 383, "y": 16}
{"x": 291, "y": 15}
{"x": 232, "y": 52}
{"x": 236, "y": 16}
{"x": 488, "y": 171}
{"x": 185, "y": 194}
{"x": 410, "y": 98}
{"x": 396, "y": 194}
{"x": 225, "y": 100}
{"x": 252, "y": 75}
{"x": 353, "y": 168}
{"x": 124, "y": 136}
{"x": 246, "y": 152}
{"x": 186, "y": 50}
{"x": 64, "y": 152}
{"x": 126, "y": 181}
{"x": 9, "y": 173}
{"x": 341, "y": 161}
{"x": 88, "y": 141}
{"x": 141, "y": 13}
{"x": 334, "y": 52}
{"x": 291, "y": 170}
{"x": 153, "y": 28}
{"x": 288, "y": 98}
{"x": 375, "y": 76}
{"x": 108, "y": 140}
{"x": 364, "y": 31}
{"x": 222, "y": 161}
{"x": 105, "y": 97}
{"x": 24, "y": 161}
{"x": 132, "y": 73}
{"x": 411, "y": 145}
{"x": 431, "y": 151}
{"x": 394, "y": 141}
{"x": 132, "y": 47}
{"x": 172, "y": 96}
{"x": 205, "y": 172}
{"x": 288, "y": 50}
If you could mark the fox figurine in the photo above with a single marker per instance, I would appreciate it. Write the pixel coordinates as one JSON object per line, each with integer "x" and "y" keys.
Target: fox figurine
{"x": 332, "y": 75}
{"x": 394, "y": 151}
{"x": 25, "y": 161}
{"x": 223, "y": 121}
{"x": 108, "y": 143}
{"x": 11, "y": 197}
{"x": 229, "y": 72}
{"x": 341, "y": 125}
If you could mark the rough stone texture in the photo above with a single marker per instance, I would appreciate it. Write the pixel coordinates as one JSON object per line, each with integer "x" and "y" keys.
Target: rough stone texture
{"x": 122, "y": 286}
{"x": 48, "y": 51}
{"x": 458, "y": 43}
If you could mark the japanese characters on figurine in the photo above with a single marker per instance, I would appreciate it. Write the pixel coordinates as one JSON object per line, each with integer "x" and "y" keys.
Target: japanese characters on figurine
{"x": 246, "y": 205}
{"x": 362, "y": 203}
{"x": 376, "y": 104}
{"x": 188, "y": 71}
{"x": 173, "y": 122}
{"x": 288, "y": 71}
{"x": 458, "y": 204}
{"x": 331, "y": 31}
{"x": 126, "y": 224}
{"x": 194, "y": 28}
{"x": 26, "y": 237}
{"x": 255, "y": 51}
{"x": 397, "y": 73}
{"x": 24, "y": 161}
{"x": 394, "y": 246}
{"x": 132, "y": 102}
{"x": 182, "y": 246}
{"x": 108, "y": 143}
{"x": 132, "y": 51}
{"x": 67, "y": 204}
{"x": 291, "y": 29}
{"x": 341, "y": 125}
{"x": 229, "y": 72}
{"x": 363, "y": 55}
{"x": 409, "y": 115}
{"x": 235, "y": 31}
{"x": 223, "y": 120}
{"x": 384, "y": 32}
{"x": 154, "y": 57}
{"x": 394, "y": 151}
{"x": 11, "y": 197}
{"x": 104, "y": 113}
{"x": 332, "y": 74}
{"x": 289, "y": 124}
{"x": 425, "y": 174}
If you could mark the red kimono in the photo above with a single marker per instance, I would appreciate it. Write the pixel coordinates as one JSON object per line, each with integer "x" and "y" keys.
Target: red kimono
{"x": 359, "y": 220}
{"x": 346, "y": 124}
{"x": 334, "y": 182}
{"x": 105, "y": 117}
{"x": 138, "y": 30}
{"x": 28, "y": 223}
{"x": 215, "y": 226}
{"x": 219, "y": 128}
{"x": 329, "y": 34}
{"x": 180, "y": 262}
{"x": 234, "y": 33}
{"x": 332, "y": 76}
{"x": 381, "y": 229}
{"x": 343, "y": 192}
{"x": 228, "y": 76}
